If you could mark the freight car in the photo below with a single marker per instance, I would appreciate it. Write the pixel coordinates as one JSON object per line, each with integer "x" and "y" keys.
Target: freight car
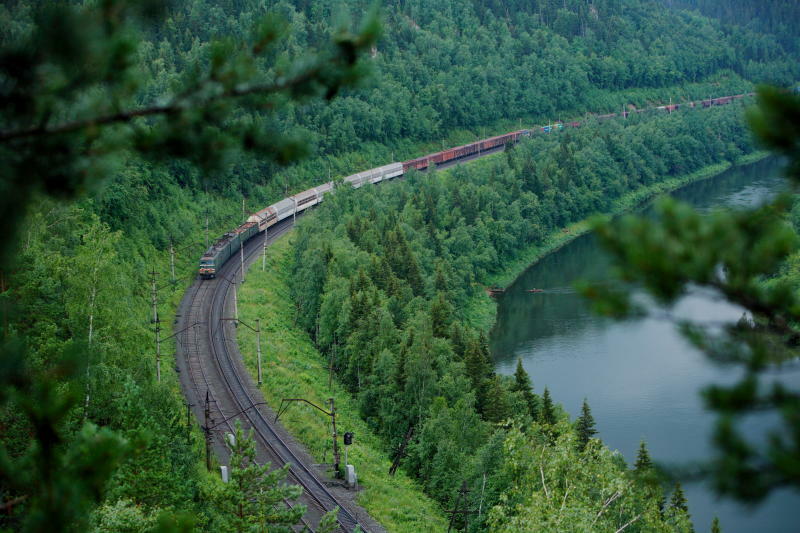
{"x": 459, "y": 152}
{"x": 226, "y": 246}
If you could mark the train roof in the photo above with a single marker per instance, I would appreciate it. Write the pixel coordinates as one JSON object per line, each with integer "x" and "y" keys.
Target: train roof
{"x": 226, "y": 238}
{"x": 283, "y": 205}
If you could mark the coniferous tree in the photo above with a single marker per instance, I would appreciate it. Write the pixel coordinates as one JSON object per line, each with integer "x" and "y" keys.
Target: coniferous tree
{"x": 255, "y": 495}
{"x": 497, "y": 406}
{"x": 678, "y": 499}
{"x": 715, "y": 527}
{"x": 585, "y": 425}
{"x": 548, "y": 410}
{"x": 479, "y": 370}
{"x": 522, "y": 384}
{"x": 679, "y": 508}
{"x": 643, "y": 461}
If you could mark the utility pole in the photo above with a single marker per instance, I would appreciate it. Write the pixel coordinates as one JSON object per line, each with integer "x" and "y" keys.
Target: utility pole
{"x": 154, "y": 299}
{"x": 241, "y": 255}
{"x": 244, "y": 215}
{"x": 206, "y": 228}
{"x": 235, "y": 305}
{"x": 264, "y": 255}
{"x": 335, "y": 440}
{"x": 258, "y": 347}
{"x": 286, "y": 402}
{"x": 172, "y": 259}
{"x": 157, "y": 322}
{"x": 158, "y": 351}
{"x": 257, "y": 331}
{"x": 462, "y": 494}
{"x": 207, "y": 431}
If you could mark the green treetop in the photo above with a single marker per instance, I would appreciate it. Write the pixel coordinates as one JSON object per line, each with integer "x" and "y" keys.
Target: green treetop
{"x": 643, "y": 461}
{"x": 585, "y": 425}
{"x": 522, "y": 385}
{"x": 254, "y": 497}
{"x": 548, "y": 409}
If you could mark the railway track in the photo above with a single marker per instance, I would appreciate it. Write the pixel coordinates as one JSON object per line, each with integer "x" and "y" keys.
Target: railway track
{"x": 213, "y": 377}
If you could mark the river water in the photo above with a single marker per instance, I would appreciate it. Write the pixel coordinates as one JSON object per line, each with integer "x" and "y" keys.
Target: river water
{"x": 641, "y": 377}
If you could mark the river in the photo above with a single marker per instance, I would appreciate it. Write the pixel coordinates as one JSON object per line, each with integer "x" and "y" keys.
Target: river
{"x": 641, "y": 377}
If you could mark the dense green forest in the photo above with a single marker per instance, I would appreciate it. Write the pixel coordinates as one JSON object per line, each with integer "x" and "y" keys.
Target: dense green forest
{"x": 382, "y": 276}
{"x": 76, "y": 278}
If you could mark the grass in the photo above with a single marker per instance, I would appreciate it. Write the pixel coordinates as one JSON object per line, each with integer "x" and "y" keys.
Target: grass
{"x": 293, "y": 368}
{"x": 481, "y": 310}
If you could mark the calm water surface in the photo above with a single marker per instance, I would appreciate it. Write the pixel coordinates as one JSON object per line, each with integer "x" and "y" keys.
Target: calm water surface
{"x": 642, "y": 379}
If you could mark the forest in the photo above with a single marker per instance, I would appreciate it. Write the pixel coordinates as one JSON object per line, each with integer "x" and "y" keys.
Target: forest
{"x": 95, "y": 207}
{"x": 381, "y": 279}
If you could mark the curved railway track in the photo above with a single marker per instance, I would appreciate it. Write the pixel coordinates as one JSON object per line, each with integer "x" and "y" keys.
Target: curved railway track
{"x": 213, "y": 377}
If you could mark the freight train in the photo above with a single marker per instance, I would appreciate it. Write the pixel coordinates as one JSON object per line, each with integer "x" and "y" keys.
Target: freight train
{"x": 216, "y": 255}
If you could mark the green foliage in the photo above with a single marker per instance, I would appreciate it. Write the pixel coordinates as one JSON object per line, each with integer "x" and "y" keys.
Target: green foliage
{"x": 72, "y": 110}
{"x": 643, "y": 461}
{"x": 254, "y": 497}
{"x": 715, "y": 527}
{"x": 60, "y": 476}
{"x": 293, "y": 367}
{"x": 152, "y": 109}
{"x": 556, "y": 488}
{"x": 739, "y": 255}
{"x": 585, "y": 426}
{"x": 548, "y": 410}
{"x": 380, "y": 276}
{"x": 522, "y": 385}
{"x": 79, "y": 111}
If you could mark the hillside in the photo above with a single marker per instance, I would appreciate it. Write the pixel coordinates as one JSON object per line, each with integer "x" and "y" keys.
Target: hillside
{"x": 98, "y": 212}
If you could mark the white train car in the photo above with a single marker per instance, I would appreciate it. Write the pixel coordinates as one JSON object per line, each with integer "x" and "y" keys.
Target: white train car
{"x": 264, "y": 218}
{"x": 284, "y": 208}
{"x": 375, "y": 175}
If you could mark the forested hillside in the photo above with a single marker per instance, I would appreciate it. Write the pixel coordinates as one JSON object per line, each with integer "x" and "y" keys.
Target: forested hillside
{"x": 381, "y": 279}
{"x": 777, "y": 17}
{"x": 77, "y": 280}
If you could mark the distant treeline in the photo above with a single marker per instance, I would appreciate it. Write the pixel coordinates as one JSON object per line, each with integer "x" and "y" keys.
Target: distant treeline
{"x": 777, "y": 17}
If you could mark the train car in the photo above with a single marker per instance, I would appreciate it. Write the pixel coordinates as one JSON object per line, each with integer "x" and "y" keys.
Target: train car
{"x": 264, "y": 218}
{"x": 305, "y": 199}
{"x": 324, "y": 189}
{"x": 284, "y": 209}
{"x": 418, "y": 164}
{"x": 375, "y": 175}
{"x": 224, "y": 248}
{"x": 421, "y": 163}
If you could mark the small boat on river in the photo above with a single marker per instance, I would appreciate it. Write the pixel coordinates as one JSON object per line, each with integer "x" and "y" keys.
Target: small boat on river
{"x": 495, "y": 291}
{"x": 535, "y": 290}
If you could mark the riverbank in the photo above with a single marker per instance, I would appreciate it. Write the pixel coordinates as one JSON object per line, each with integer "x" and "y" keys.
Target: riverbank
{"x": 481, "y": 310}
